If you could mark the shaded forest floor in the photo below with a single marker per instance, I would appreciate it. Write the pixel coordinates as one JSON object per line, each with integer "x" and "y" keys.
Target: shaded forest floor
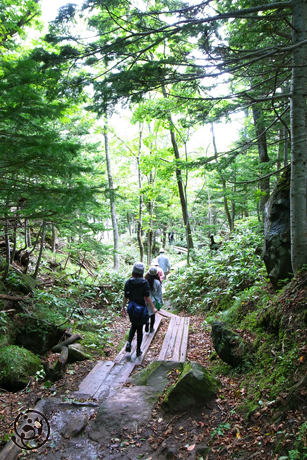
{"x": 227, "y": 433}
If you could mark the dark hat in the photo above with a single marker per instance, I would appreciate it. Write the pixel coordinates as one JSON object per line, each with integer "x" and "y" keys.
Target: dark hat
{"x": 153, "y": 271}
{"x": 138, "y": 268}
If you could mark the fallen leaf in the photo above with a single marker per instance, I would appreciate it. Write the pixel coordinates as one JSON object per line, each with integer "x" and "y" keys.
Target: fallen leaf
{"x": 190, "y": 448}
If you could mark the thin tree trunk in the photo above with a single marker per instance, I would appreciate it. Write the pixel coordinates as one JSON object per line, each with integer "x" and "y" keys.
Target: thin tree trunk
{"x": 53, "y": 238}
{"x": 179, "y": 179}
{"x": 140, "y": 220}
{"x": 280, "y": 145}
{"x": 164, "y": 235}
{"x": 14, "y": 239}
{"x": 298, "y": 205}
{"x": 226, "y": 207}
{"x": 209, "y": 209}
{"x": 8, "y": 251}
{"x": 286, "y": 147}
{"x": 112, "y": 196}
{"x": 129, "y": 223}
{"x": 263, "y": 154}
{"x": 40, "y": 251}
{"x": 28, "y": 233}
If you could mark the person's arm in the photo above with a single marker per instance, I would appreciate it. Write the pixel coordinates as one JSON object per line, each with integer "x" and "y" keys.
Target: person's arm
{"x": 124, "y": 306}
{"x": 160, "y": 295}
{"x": 148, "y": 300}
{"x": 168, "y": 265}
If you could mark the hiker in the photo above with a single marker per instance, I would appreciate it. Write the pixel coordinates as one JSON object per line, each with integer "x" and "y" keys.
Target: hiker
{"x": 155, "y": 294}
{"x": 160, "y": 271}
{"x": 171, "y": 237}
{"x": 137, "y": 290}
{"x": 164, "y": 263}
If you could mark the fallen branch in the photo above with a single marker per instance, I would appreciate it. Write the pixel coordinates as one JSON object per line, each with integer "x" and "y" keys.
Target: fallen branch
{"x": 57, "y": 348}
{"x": 11, "y": 297}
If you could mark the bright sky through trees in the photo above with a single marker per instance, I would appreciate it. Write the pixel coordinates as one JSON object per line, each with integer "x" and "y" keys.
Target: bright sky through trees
{"x": 226, "y": 133}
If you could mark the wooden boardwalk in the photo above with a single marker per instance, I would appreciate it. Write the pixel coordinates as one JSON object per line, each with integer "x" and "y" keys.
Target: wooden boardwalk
{"x": 109, "y": 376}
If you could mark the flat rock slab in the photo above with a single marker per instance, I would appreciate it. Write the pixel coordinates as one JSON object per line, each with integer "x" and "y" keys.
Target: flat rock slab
{"x": 129, "y": 408}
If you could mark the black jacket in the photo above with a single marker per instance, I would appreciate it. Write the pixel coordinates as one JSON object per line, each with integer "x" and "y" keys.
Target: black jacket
{"x": 136, "y": 289}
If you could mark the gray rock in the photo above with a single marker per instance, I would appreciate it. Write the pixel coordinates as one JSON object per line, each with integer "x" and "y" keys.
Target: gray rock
{"x": 76, "y": 352}
{"x": 169, "y": 450}
{"x": 75, "y": 425}
{"x": 277, "y": 249}
{"x": 129, "y": 408}
{"x": 228, "y": 345}
{"x": 195, "y": 386}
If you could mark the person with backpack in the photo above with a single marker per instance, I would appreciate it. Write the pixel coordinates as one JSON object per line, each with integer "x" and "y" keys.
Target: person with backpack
{"x": 153, "y": 279}
{"x": 137, "y": 291}
{"x": 164, "y": 263}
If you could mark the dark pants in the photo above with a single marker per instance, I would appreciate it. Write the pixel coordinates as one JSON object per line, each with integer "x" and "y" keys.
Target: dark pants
{"x": 139, "y": 337}
{"x": 152, "y": 320}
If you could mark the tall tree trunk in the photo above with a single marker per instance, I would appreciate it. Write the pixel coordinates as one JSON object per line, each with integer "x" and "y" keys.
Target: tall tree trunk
{"x": 226, "y": 207}
{"x": 298, "y": 205}
{"x": 14, "y": 238}
{"x": 286, "y": 146}
{"x": 140, "y": 220}
{"x": 53, "y": 237}
{"x": 129, "y": 223}
{"x": 263, "y": 154}
{"x": 28, "y": 230}
{"x": 112, "y": 196}
{"x": 164, "y": 235}
{"x": 8, "y": 251}
{"x": 179, "y": 179}
{"x": 280, "y": 145}
{"x": 40, "y": 251}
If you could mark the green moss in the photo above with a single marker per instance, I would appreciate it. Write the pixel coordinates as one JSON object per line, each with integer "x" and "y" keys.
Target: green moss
{"x": 17, "y": 366}
{"x": 284, "y": 181}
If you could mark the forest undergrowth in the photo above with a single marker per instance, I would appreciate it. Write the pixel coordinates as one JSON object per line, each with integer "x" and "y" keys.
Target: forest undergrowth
{"x": 263, "y": 402}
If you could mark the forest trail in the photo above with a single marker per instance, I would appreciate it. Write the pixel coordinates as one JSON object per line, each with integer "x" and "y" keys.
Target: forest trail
{"x": 121, "y": 406}
{"x": 107, "y": 377}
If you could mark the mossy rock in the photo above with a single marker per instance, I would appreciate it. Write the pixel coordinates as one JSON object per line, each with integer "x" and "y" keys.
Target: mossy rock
{"x": 155, "y": 374}
{"x": 6, "y": 340}
{"x": 17, "y": 366}
{"x": 76, "y": 352}
{"x": 27, "y": 284}
{"x": 37, "y": 336}
{"x": 195, "y": 386}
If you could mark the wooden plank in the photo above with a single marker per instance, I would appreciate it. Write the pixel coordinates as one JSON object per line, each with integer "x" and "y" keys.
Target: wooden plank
{"x": 147, "y": 339}
{"x": 168, "y": 339}
{"x": 184, "y": 343}
{"x": 177, "y": 348}
{"x": 172, "y": 342}
{"x": 165, "y": 313}
{"x": 115, "y": 380}
{"x": 94, "y": 379}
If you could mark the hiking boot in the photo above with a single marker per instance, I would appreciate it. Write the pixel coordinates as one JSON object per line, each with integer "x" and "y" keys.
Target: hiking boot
{"x": 128, "y": 347}
{"x": 152, "y": 329}
{"x": 147, "y": 327}
{"x": 138, "y": 352}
